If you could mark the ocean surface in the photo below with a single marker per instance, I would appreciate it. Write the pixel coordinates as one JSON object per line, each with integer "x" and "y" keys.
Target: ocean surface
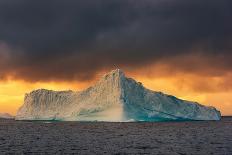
{"x": 38, "y": 137}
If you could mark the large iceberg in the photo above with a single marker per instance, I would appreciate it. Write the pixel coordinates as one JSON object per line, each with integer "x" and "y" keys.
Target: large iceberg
{"x": 114, "y": 98}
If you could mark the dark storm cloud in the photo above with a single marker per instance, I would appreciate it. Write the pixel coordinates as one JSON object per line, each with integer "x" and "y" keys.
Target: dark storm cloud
{"x": 63, "y": 40}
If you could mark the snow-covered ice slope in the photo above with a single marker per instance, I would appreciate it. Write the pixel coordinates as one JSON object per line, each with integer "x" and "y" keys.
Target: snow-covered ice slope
{"x": 114, "y": 98}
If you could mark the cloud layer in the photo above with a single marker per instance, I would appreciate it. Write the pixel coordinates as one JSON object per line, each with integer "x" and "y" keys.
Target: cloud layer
{"x": 73, "y": 40}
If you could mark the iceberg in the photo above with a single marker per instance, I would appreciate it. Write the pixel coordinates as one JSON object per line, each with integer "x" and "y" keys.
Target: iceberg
{"x": 6, "y": 116}
{"x": 114, "y": 98}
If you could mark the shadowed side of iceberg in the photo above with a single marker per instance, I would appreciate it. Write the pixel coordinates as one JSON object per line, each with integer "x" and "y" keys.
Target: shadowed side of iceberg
{"x": 142, "y": 104}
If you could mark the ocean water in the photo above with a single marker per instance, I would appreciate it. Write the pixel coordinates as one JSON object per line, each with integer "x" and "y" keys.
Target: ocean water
{"x": 38, "y": 137}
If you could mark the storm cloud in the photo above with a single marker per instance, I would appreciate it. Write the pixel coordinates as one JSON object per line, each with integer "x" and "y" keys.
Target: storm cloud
{"x": 73, "y": 40}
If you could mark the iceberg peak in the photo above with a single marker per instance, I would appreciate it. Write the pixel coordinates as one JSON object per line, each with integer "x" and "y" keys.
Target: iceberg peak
{"x": 117, "y": 73}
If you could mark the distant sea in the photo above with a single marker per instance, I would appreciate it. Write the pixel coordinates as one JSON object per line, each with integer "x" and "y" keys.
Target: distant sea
{"x": 174, "y": 138}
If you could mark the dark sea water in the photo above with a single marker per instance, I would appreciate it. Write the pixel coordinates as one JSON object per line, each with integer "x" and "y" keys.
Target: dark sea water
{"x": 195, "y": 137}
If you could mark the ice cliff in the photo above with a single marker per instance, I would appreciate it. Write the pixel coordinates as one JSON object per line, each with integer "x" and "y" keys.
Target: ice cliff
{"x": 114, "y": 98}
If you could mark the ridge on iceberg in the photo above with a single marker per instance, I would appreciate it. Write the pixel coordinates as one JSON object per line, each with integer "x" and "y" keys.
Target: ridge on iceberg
{"x": 114, "y": 98}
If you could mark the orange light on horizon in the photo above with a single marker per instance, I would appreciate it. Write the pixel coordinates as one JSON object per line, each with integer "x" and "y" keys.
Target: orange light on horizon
{"x": 12, "y": 91}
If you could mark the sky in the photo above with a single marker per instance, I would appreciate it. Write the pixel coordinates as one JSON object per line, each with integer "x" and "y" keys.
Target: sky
{"x": 180, "y": 47}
